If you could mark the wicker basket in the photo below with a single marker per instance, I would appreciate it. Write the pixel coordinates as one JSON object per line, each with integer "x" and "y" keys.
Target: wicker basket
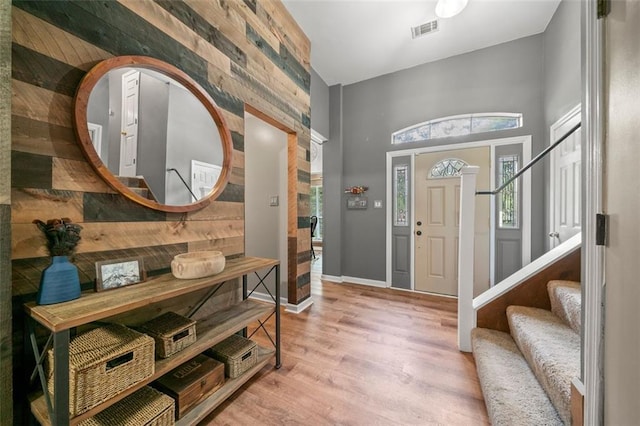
{"x": 172, "y": 333}
{"x": 102, "y": 363}
{"x": 146, "y": 407}
{"x": 237, "y": 353}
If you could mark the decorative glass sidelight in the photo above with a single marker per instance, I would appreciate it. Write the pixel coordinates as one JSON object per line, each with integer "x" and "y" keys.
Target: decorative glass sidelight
{"x": 508, "y": 197}
{"x": 459, "y": 125}
{"x": 400, "y": 195}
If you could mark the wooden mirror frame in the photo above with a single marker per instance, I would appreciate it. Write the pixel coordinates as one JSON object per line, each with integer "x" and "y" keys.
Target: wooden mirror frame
{"x": 80, "y": 106}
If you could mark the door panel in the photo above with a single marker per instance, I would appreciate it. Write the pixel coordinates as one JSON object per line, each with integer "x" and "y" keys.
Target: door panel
{"x": 129, "y": 133}
{"x": 509, "y": 234}
{"x": 401, "y": 237}
{"x": 510, "y": 253}
{"x": 565, "y": 181}
{"x": 437, "y": 216}
{"x": 402, "y": 244}
{"x": 436, "y": 206}
{"x": 436, "y": 255}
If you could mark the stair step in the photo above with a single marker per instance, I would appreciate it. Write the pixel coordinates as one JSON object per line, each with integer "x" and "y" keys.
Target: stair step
{"x": 131, "y": 181}
{"x": 511, "y": 392}
{"x": 552, "y": 350}
{"x": 566, "y": 302}
{"x": 143, "y": 192}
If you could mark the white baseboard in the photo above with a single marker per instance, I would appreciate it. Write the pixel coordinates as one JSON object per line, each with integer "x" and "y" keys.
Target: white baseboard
{"x": 364, "y": 281}
{"x": 354, "y": 280}
{"x": 263, "y": 297}
{"x": 288, "y": 307}
{"x": 331, "y": 278}
{"x": 296, "y": 309}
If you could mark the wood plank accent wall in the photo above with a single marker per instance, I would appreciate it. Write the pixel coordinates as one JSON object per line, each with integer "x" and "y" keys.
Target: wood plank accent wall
{"x": 6, "y": 364}
{"x": 245, "y": 54}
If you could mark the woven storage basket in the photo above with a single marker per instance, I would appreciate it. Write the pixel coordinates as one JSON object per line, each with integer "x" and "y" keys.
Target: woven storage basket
{"x": 237, "y": 353}
{"x": 172, "y": 333}
{"x": 145, "y": 407}
{"x": 102, "y": 363}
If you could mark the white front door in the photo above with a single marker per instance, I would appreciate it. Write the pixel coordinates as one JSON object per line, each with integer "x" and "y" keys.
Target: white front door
{"x": 436, "y": 246}
{"x": 129, "y": 133}
{"x": 437, "y": 215}
{"x": 565, "y": 180}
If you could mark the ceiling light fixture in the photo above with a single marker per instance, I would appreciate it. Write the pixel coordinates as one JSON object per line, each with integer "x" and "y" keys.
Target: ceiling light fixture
{"x": 450, "y": 8}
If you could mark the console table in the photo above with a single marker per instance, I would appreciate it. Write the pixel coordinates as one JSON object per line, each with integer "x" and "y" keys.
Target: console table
{"x": 60, "y": 318}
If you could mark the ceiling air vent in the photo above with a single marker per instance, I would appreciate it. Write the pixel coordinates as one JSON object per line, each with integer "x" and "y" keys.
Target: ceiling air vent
{"x": 426, "y": 28}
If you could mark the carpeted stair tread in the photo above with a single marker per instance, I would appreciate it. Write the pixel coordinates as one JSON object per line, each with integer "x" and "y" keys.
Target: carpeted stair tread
{"x": 566, "y": 302}
{"x": 552, "y": 350}
{"x": 511, "y": 392}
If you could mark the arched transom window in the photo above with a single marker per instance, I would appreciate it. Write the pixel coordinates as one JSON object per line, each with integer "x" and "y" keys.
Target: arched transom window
{"x": 449, "y": 167}
{"x": 459, "y": 125}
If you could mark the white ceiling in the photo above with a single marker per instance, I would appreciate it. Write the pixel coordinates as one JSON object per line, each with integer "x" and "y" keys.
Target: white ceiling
{"x": 354, "y": 40}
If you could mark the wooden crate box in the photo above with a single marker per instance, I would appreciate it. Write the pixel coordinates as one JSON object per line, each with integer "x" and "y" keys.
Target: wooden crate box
{"x": 192, "y": 381}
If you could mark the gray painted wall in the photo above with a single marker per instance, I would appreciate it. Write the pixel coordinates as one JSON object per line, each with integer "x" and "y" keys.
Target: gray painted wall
{"x": 319, "y": 104}
{"x": 98, "y": 113}
{"x": 152, "y": 133}
{"x": 115, "y": 121}
{"x": 562, "y": 69}
{"x": 191, "y": 135}
{"x": 265, "y": 156}
{"x": 333, "y": 189}
{"x": 562, "y": 75}
{"x": 504, "y": 78}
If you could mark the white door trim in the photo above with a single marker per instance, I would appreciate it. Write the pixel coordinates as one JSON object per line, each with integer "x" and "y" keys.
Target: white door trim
{"x": 573, "y": 115}
{"x": 124, "y": 169}
{"x": 593, "y": 265}
{"x": 526, "y": 193}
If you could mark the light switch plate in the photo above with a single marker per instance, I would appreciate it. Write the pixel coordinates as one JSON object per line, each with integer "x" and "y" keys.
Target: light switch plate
{"x": 273, "y": 201}
{"x": 377, "y": 204}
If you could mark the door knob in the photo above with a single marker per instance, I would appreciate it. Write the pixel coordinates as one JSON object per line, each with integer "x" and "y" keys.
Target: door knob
{"x": 419, "y": 223}
{"x": 554, "y": 234}
{"x": 123, "y": 133}
{"x": 418, "y": 232}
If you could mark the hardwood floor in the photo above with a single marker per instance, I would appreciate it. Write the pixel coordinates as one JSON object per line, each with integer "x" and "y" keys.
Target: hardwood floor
{"x": 363, "y": 356}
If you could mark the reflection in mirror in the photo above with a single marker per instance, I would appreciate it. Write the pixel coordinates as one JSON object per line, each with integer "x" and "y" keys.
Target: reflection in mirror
{"x": 143, "y": 120}
{"x": 153, "y": 133}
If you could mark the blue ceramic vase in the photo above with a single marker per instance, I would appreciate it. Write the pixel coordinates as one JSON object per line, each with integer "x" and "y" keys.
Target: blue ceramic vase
{"x": 59, "y": 283}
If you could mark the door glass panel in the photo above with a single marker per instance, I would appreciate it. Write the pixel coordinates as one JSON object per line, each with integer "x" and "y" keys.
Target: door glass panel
{"x": 508, "y": 197}
{"x": 449, "y": 167}
{"x": 400, "y": 194}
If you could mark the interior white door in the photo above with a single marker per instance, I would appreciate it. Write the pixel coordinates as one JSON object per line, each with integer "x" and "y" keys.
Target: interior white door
{"x": 566, "y": 181}
{"x": 129, "y": 133}
{"x": 437, "y": 216}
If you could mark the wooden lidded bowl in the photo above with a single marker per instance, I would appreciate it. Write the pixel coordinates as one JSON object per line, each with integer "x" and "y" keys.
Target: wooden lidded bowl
{"x": 197, "y": 264}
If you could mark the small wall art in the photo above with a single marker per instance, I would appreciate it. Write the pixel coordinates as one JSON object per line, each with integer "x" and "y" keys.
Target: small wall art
{"x": 112, "y": 274}
{"x": 356, "y": 199}
{"x": 358, "y": 202}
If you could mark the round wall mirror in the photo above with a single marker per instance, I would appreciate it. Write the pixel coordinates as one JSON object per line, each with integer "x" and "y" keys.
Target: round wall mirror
{"x": 153, "y": 133}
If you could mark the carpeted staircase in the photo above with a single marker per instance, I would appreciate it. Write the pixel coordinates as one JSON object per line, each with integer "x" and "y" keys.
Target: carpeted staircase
{"x": 526, "y": 375}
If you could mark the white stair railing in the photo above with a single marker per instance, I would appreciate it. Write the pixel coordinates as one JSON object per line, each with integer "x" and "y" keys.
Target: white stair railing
{"x": 466, "y": 243}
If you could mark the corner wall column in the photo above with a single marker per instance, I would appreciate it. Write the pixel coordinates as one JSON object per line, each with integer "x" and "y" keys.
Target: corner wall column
{"x": 6, "y": 370}
{"x": 466, "y": 244}
{"x": 333, "y": 189}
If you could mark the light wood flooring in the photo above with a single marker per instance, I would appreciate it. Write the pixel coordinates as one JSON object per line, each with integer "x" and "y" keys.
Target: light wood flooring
{"x": 363, "y": 356}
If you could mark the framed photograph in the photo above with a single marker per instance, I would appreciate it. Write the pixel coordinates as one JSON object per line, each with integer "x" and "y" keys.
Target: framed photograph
{"x": 111, "y": 274}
